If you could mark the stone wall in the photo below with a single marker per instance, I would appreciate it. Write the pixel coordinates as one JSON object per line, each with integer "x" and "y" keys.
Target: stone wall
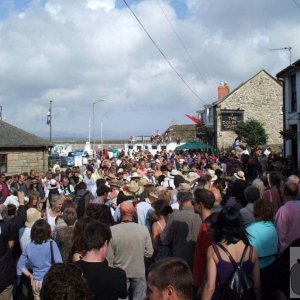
{"x": 25, "y": 160}
{"x": 261, "y": 99}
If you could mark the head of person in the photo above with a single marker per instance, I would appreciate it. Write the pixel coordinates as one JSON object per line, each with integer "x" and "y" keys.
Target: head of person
{"x": 11, "y": 210}
{"x": 263, "y": 210}
{"x": 230, "y": 227}
{"x": 64, "y": 281}
{"x": 238, "y": 188}
{"x": 103, "y": 191}
{"x": 169, "y": 279}
{"x": 251, "y": 194}
{"x": 275, "y": 178}
{"x": 66, "y": 181}
{"x": 2, "y": 177}
{"x": 56, "y": 203}
{"x": 203, "y": 200}
{"x": 33, "y": 201}
{"x": 290, "y": 190}
{"x": 69, "y": 216}
{"x": 96, "y": 237}
{"x": 40, "y": 232}
{"x": 127, "y": 211}
{"x": 185, "y": 198}
{"x": 259, "y": 184}
{"x": 162, "y": 208}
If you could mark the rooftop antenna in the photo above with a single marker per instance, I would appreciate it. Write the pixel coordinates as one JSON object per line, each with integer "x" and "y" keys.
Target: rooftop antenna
{"x": 284, "y": 48}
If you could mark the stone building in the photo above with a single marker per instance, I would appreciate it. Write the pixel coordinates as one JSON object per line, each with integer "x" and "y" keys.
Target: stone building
{"x": 259, "y": 98}
{"x": 21, "y": 151}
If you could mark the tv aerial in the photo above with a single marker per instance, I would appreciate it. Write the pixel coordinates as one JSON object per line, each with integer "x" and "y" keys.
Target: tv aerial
{"x": 284, "y": 48}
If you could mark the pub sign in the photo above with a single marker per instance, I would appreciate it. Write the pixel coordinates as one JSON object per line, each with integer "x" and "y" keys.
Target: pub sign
{"x": 230, "y": 119}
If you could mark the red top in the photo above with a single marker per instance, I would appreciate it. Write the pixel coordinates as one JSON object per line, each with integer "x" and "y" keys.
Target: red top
{"x": 203, "y": 243}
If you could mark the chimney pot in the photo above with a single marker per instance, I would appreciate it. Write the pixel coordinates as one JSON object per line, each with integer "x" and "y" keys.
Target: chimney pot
{"x": 223, "y": 90}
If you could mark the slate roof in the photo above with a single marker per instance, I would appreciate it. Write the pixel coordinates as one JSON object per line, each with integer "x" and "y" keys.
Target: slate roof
{"x": 14, "y": 137}
{"x": 288, "y": 69}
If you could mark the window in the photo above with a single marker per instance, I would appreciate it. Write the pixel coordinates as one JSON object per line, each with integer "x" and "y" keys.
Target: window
{"x": 154, "y": 147}
{"x": 293, "y": 93}
{"x": 3, "y": 163}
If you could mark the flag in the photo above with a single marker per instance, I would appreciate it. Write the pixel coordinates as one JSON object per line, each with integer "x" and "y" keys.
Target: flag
{"x": 49, "y": 117}
{"x": 195, "y": 119}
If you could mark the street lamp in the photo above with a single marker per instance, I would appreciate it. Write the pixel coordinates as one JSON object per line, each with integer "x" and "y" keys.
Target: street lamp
{"x": 101, "y": 100}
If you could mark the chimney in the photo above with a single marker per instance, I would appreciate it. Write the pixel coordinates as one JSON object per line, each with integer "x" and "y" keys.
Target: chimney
{"x": 223, "y": 90}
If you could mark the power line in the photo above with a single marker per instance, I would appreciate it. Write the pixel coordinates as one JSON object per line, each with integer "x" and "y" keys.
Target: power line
{"x": 296, "y": 3}
{"x": 163, "y": 55}
{"x": 181, "y": 42}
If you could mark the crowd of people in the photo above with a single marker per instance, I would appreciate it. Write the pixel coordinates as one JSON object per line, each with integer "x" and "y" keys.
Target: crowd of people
{"x": 169, "y": 226}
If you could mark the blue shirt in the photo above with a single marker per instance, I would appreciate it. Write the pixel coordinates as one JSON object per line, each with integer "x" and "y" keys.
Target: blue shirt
{"x": 263, "y": 236}
{"x": 39, "y": 257}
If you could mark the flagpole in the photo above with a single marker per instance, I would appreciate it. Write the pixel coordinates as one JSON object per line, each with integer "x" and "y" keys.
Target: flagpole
{"x": 50, "y": 110}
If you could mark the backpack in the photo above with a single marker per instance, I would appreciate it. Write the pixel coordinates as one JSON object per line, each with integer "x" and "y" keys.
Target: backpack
{"x": 239, "y": 286}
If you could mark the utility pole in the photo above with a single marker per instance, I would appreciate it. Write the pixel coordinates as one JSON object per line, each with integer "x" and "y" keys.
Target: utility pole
{"x": 50, "y": 121}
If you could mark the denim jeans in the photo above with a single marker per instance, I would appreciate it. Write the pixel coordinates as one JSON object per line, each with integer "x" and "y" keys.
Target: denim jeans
{"x": 136, "y": 288}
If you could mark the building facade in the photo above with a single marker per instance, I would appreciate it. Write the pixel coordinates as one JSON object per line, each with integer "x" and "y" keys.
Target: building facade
{"x": 259, "y": 98}
{"x": 290, "y": 77}
{"x": 21, "y": 151}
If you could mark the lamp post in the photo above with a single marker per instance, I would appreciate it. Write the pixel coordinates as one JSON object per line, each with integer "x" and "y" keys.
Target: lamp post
{"x": 101, "y": 100}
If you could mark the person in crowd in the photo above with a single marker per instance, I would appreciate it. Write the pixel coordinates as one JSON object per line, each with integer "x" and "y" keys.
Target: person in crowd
{"x": 162, "y": 210}
{"x": 287, "y": 219}
{"x": 52, "y": 190}
{"x": 77, "y": 251}
{"x": 82, "y": 198}
{"x": 100, "y": 213}
{"x": 113, "y": 283}
{"x": 90, "y": 181}
{"x": 127, "y": 251}
{"x": 169, "y": 278}
{"x": 102, "y": 195}
{"x": 41, "y": 254}
{"x": 274, "y": 193}
{"x": 182, "y": 229}
{"x": 203, "y": 203}
{"x": 12, "y": 198}
{"x": 66, "y": 187}
{"x": 55, "y": 211}
{"x": 64, "y": 235}
{"x": 237, "y": 199}
{"x": 4, "y": 190}
{"x": 21, "y": 185}
{"x": 7, "y": 264}
{"x": 33, "y": 189}
{"x": 260, "y": 185}
{"x": 25, "y": 232}
{"x": 64, "y": 281}
{"x": 251, "y": 194}
{"x": 231, "y": 236}
{"x": 263, "y": 236}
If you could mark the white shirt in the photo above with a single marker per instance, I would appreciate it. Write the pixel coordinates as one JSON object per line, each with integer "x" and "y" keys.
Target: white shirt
{"x": 12, "y": 200}
{"x": 24, "y": 236}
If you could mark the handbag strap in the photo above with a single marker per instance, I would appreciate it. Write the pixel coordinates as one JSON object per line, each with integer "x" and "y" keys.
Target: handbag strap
{"x": 230, "y": 256}
{"x": 52, "y": 256}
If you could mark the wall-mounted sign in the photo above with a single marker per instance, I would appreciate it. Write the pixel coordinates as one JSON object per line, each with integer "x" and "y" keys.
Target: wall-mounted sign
{"x": 229, "y": 119}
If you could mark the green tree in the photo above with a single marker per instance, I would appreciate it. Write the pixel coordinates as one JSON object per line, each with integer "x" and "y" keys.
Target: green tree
{"x": 252, "y": 132}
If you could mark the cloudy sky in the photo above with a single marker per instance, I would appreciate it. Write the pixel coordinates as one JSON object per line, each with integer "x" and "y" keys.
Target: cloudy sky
{"x": 76, "y": 52}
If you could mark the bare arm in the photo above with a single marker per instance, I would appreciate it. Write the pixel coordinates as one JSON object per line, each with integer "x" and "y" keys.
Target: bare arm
{"x": 210, "y": 285}
{"x": 256, "y": 276}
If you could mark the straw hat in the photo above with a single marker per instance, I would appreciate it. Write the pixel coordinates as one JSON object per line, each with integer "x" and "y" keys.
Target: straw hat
{"x": 143, "y": 182}
{"x": 135, "y": 175}
{"x": 116, "y": 183}
{"x": 184, "y": 187}
{"x": 134, "y": 188}
{"x": 32, "y": 215}
{"x": 239, "y": 175}
{"x": 191, "y": 177}
{"x": 212, "y": 174}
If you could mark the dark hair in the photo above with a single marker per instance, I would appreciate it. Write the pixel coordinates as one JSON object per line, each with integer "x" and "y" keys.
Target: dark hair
{"x": 102, "y": 190}
{"x": 80, "y": 186}
{"x": 100, "y": 213}
{"x": 95, "y": 235}
{"x": 162, "y": 208}
{"x": 172, "y": 271}
{"x": 206, "y": 197}
{"x": 275, "y": 179}
{"x": 290, "y": 189}
{"x": 230, "y": 227}
{"x": 251, "y": 194}
{"x": 11, "y": 209}
{"x": 69, "y": 215}
{"x": 183, "y": 197}
{"x": 64, "y": 281}
{"x": 263, "y": 210}
{"x": 79, "y": 228}
{"x": 100, "y": 182}
{"x": 238, "y": 188}
{"x": 122, "y": 197}
{"x": 178, "y": 179}
{"x": 40, "y": 231}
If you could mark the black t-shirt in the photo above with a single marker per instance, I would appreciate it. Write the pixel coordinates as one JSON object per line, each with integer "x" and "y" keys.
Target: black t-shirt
{"x": 105, "y": 283}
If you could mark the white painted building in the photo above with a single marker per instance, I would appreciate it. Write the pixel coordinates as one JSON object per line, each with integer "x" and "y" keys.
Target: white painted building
{"x": 291, "y": 108}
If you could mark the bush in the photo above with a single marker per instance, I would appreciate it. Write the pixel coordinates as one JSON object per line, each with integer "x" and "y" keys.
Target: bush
{"x": 252, "y": 132}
